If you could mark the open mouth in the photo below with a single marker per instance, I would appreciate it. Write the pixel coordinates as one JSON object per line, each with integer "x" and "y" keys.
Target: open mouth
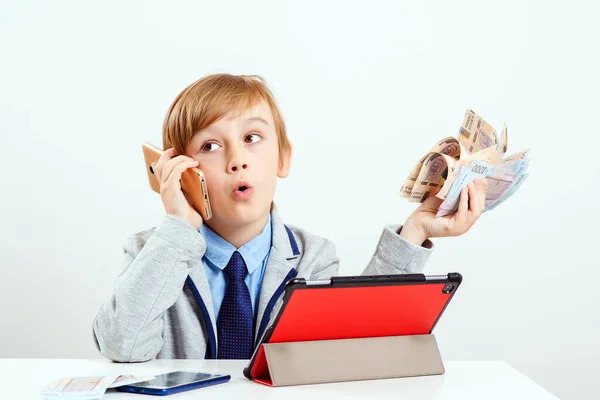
{"x": 242, "y": 187}
{"x": 243, "y": 191}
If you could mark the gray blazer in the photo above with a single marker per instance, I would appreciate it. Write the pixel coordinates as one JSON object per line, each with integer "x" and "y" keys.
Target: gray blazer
{"x": 162, "y": 305}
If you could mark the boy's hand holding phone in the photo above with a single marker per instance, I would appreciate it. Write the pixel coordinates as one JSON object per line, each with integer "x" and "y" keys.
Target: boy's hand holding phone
{"x": 168, "y": 171}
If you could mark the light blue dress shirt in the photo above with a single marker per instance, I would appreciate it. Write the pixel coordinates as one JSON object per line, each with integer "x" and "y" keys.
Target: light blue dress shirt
{"x": 218, "y": 253}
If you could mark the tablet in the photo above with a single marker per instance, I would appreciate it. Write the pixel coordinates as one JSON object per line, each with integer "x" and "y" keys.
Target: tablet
{"x": 346, "y": 307}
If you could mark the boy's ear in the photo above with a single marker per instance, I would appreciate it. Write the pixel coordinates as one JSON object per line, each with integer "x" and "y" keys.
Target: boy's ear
{"x": 285, "y": 163}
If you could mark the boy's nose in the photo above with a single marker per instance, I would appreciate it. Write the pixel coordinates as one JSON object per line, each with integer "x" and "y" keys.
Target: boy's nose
{"x": 237, "y": 160}
{"x": 234, "y": 167}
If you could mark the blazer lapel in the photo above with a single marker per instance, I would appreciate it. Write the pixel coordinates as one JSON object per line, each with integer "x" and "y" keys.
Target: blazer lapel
{"x": 277, "y": 270}
{"x": 200, "y": 280}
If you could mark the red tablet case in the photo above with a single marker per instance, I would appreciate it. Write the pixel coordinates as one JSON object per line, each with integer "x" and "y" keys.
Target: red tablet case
{"x": 394, "y": 307}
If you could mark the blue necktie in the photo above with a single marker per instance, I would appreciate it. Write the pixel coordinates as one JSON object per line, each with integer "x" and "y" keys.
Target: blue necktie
{"x": 234, "y": 324}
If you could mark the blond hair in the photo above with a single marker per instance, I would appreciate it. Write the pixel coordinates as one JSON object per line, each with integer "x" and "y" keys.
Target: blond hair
{"x": 212, "y": 97}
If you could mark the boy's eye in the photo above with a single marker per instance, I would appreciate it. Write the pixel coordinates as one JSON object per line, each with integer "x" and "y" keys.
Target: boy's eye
{"x": 249, "y": 138}
{"x": 208, "y": 147}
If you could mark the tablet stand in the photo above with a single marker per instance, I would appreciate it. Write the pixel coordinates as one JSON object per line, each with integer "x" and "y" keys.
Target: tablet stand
{"x": 340, "y": 360}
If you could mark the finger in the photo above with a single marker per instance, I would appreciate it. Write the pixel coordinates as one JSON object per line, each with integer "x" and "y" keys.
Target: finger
{"x": 158, "y": 167}
{"x": 475, "y": 208}
{"x": 482, "y": 195}
{"x": 171, "y": 164}
{"x": 474, "y": 199}
{"x": 463, "y": 202}
{"x": 173, "y": 181}
{"x": 480, "y": 184}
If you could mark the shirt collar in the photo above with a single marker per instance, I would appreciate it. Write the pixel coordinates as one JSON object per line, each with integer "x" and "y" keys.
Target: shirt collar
{"x": 219, "y": 251}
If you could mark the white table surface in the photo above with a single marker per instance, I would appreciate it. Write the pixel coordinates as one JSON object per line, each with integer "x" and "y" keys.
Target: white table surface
{"x": 465, "y": 380}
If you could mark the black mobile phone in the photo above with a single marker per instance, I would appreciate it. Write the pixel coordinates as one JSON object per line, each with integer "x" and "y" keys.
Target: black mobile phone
{"x": 175, "y": 382}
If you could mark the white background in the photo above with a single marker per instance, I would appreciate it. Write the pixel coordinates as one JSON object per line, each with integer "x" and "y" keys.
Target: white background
{"x": 365, "y": 89}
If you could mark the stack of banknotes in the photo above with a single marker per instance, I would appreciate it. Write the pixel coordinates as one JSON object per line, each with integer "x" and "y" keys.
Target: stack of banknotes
{"x": 452, "y": 163}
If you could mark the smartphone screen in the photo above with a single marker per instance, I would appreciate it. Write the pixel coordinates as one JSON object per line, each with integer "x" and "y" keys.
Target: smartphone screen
{"x": 175, "y": 379}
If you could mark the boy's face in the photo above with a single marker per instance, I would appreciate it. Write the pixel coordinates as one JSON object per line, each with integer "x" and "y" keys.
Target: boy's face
{"x": 239, "y": 155}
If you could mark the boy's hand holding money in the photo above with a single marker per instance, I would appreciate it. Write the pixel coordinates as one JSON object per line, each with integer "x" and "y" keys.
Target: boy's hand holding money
{"x": 422, "y": 224}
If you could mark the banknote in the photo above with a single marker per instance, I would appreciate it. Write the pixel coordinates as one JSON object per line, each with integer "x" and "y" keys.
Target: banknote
{"x": 475, "y": 134}
{"x": 448, "y": 146}
{"x": 493, "y": 204}
{"x": 502, "y": 181}
{"x": 521, "y": 155}
{"x": 477, "y": 169}
{"x": 487, "y": 156}
{"x": 87, "y": 387}
{"x": 437, "y": 173}
{"x": 409, "y": 183}
{"x": 123, "y": 380}
{"x": 518, "y": 170}
{"x": 502, "y": 145}
{"x": 452, "y": 163}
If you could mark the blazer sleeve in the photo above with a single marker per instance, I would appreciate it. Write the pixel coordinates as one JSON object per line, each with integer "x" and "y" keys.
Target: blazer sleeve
{"x": 329, "y": 264}
{"x": 393, "y": 255}
{"x": 129, "y": 325}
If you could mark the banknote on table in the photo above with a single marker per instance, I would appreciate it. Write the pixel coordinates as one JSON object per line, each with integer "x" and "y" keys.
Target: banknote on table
{"x": 453, "y": 163}
{"x": 123, "y": 380}
{"x": 87, "y": 387}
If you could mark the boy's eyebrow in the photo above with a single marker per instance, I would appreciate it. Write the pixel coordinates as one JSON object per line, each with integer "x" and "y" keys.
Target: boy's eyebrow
{"x": 259, "y": 119}
{"x": 250, "y": 119}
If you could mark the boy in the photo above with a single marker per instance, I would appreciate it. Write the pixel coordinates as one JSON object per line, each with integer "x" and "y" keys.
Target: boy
{"x": 194, "y": 289}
